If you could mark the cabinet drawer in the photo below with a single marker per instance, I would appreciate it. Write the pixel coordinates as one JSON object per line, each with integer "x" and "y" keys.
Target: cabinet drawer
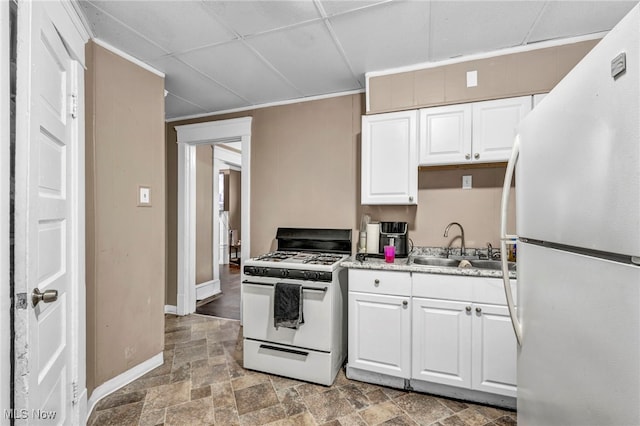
{"x": 462, "y": 288}
{"x": 450, "y": 287}
{"x": 380, "y": 282}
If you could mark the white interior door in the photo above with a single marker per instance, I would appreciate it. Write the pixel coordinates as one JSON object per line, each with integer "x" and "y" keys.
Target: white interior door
{"x": 5, "y": 114}
{"x": 47, "y": 236}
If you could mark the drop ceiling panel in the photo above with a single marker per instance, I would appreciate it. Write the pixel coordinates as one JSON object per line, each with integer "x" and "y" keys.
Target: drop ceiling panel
{"x": 105, "y": 28}
{"x": 175, "y": 107}
{"x": 334, "y": 7}
{"x": 308, "y": 57}
{"x": 173, "y": 25}
{"x": 251, "y": 17}
{"x": 569, "y": 18}
{"x": 188, "y": 84}
{"x": 385, "y": 36}
{"x": 466, "y": 27}
{"x": 240, "y": 69}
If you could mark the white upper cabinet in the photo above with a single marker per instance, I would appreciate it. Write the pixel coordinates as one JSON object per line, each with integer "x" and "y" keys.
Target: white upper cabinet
{"x": 445, "y": 134}
{"x": 494, "y": 127}
{"x": 479, "y": 132}
{"x": 390, "y": 158}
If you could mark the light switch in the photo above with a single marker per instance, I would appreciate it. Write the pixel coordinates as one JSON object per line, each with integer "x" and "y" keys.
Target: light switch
{"x": 472, "y": 78}
{"x": 144, "y": 196}
{"x": 466, "y": 182}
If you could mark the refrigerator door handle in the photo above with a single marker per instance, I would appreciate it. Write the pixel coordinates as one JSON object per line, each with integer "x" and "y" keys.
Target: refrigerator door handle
{"x": 506, "y": 239}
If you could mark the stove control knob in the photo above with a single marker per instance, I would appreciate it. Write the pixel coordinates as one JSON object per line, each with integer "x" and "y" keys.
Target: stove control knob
{"x": 310, "y": 275}
{"x": 284, "y": 273}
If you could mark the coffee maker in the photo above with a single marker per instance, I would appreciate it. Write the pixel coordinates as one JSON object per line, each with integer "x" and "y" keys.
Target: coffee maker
{"x": 395, "y": 234}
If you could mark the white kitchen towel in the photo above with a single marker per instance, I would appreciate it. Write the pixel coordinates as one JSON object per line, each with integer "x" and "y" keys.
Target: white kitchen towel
{"x": 373, "y": 238}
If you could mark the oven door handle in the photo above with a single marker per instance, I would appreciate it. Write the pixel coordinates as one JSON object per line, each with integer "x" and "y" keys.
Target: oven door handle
{"x": 323, "y": 289}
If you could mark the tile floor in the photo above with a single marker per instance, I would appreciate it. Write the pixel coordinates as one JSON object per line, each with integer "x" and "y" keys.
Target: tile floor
{"x": 202, "y": 382}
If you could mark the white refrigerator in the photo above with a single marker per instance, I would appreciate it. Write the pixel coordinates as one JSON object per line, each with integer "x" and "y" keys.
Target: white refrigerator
{"x": 577, "y": 167}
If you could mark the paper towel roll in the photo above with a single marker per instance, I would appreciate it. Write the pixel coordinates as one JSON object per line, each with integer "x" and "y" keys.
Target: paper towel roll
{"x": 373, "y": 237}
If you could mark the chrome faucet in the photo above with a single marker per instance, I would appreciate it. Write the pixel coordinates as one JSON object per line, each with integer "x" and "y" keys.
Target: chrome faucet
{"x": 446, "y": 234}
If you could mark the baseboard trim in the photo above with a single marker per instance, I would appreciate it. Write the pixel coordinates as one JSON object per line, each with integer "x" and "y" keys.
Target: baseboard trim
{"x": 207, "y": 289}
{"x": 121, "y": 380}
{"x": 171, "y": 309}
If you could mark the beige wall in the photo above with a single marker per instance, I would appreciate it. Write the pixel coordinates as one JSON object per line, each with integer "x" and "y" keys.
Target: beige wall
{"x": 442, "y": 200}
{"x": 235, "y": 201}
{"x": 503, "y": 76}
{"x": 125, "y": 243}
{"x": 304, "y": 161}
{"x": 204, "y": 211}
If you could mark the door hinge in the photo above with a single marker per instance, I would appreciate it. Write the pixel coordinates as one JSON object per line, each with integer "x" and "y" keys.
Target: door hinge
{"x": 73, "y": 106}
{"x": 21, "y": 301}
{"x": 74, "y": 391}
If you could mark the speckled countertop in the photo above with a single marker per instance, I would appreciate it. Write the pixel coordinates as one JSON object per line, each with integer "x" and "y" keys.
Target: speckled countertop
{"x": 407, "y": 265}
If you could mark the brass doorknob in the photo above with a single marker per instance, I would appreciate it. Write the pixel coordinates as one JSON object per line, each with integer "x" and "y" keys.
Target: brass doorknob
{"x": 47, "y": 297}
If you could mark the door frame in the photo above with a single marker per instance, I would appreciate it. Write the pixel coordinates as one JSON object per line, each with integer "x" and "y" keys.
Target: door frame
{"x": 71, "y": 30}
{"x": 5, "y": 296}
{"x": 189, "y": 137}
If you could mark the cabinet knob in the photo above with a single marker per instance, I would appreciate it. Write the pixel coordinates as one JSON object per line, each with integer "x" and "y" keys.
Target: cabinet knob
{"x": 410, "y": 197}
{"x": 476, "y": 156}
{"x": 478, "y": 310}
{"x": 467, "y": 157}
{"x": 468, "y": 309}
{"x": 376, "y": 282}
{"x": 405, "y": 304}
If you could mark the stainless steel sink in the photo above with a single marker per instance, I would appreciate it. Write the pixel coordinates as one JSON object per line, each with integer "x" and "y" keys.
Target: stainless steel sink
{"x": 491, "y": 264}
{"x": 495, "y": 265}
{"x": 436, "y": 261}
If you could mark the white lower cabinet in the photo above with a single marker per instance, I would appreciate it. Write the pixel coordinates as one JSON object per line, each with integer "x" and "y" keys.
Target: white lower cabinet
{"x": 464, "y": 344}
{"x": 493, "y": 350}
{"x": 434, "y": 330}
{"x": 380, "y": 333}
{"x": 441, "y": 342}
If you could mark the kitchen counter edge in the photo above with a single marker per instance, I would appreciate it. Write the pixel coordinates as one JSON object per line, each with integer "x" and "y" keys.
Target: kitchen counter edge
{"x": 401, "y": 265}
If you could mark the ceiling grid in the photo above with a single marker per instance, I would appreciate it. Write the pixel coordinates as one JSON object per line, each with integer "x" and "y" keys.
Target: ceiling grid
{"x": 221, "y": 55}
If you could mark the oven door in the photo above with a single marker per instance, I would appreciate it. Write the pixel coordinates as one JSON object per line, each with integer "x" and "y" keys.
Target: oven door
{"x": 314, "y": 333}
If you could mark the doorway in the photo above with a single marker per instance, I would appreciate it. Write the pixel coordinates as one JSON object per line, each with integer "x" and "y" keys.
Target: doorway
{"x": 189, "y": 137}
{"x": 227, "y": 170}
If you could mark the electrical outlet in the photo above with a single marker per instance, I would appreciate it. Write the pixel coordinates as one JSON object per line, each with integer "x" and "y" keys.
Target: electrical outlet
{"x": 466, "y": 182}
{"x": 472, "y": 78}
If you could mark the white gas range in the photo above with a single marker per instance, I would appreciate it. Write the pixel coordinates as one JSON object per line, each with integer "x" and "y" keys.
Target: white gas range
{"x": 317, "y": 348}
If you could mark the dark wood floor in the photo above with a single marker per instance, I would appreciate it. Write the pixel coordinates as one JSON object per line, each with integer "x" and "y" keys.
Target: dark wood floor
{"x": 227, "y": 305}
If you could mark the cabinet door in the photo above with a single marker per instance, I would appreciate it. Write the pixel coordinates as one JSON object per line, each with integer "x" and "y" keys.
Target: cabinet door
{"x": 494, "y": 127}
{"x": 390, "y": 158}
{"x": 494, "y": 350}
{"x": 380, "y": 333}
{"x": 445, "y": 135}
{"x": 441, "y": 342}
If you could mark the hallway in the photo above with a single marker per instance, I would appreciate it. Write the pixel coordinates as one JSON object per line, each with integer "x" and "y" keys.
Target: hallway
{"x": 226, "y": 305}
